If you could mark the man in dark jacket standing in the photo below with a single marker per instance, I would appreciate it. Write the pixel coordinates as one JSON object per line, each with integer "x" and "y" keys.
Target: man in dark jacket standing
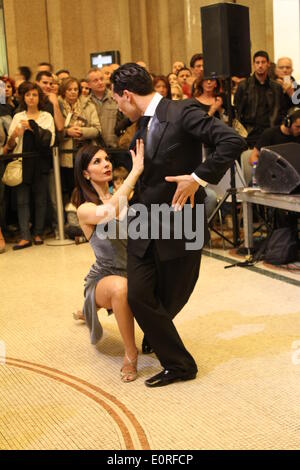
{"x": 162, "y": 272}
{"x": 259, "y": 100}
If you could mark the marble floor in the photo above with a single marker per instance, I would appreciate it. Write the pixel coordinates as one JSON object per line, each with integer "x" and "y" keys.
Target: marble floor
{"x": 57, "y": 391}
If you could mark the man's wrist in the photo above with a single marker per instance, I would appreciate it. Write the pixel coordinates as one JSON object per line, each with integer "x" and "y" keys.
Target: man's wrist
{"x": 199, "y": 180}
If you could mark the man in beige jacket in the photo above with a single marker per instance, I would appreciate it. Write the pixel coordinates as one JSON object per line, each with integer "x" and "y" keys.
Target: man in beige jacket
{"x": 105, "y": 104}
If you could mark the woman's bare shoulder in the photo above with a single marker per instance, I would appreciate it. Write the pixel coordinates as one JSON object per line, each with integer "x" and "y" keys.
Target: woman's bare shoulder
{"x": 85, "y": 208}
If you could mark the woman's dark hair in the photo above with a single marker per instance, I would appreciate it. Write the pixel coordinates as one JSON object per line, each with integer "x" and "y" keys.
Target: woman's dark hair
{"x": 197, "y": 88}
{"x": 272, "y": 71}
{"x": 26, "y": 72}
{"x": 65, "y": 84}
{"x": 84, "y": 190}
{"x": 132, "y": 77}
{"x": 24, "y": 88}
{"x": 80, "y": 82}
{"x": 162, "y": 78}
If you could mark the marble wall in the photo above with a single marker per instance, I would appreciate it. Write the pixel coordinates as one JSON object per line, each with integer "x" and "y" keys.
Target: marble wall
{"x": 65, "y": 32}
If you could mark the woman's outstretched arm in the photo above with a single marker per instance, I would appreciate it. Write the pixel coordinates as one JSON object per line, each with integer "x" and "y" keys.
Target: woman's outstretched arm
{"x": 91, "y": 214}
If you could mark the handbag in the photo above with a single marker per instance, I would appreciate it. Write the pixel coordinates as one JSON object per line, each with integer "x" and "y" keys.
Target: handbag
{"x": 13, "y": 175}
{"x": 282, "y": 246}
{"x": 239, "y": 128}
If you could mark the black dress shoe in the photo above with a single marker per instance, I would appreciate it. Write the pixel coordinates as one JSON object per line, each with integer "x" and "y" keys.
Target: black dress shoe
{"x": 21, "y": 247}
{"x": 146, "y": 348}
{"x": 166, "y": 377}
{"x": 38, "y": 242}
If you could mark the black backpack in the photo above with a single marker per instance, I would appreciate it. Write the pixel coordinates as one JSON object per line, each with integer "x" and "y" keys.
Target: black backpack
{"x": 281, "y": 245}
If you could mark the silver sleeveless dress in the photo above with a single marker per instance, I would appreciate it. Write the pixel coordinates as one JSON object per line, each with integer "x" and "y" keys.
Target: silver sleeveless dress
{"x": 111, "y": 259}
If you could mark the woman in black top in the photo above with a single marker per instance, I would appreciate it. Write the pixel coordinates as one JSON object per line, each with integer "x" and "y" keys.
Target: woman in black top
{"x": 208, "y": 93}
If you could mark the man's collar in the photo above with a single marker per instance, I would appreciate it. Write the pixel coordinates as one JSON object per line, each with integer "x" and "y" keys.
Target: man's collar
{"x": 151, "y": 108}
{"x": 266, "y": 82}
{"x": 103, "y": 96}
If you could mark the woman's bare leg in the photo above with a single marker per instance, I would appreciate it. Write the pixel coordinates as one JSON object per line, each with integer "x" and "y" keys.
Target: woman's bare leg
{"x": 111, "y": 292}
{"x": 124, "y": 319}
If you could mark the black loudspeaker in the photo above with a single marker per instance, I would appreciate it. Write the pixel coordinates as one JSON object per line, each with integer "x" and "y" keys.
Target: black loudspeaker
{"x": 278, "y": 168}
{"x": 226, "y": 40}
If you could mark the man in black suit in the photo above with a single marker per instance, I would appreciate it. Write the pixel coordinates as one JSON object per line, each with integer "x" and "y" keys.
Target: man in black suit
{"x": 162, "y": 272}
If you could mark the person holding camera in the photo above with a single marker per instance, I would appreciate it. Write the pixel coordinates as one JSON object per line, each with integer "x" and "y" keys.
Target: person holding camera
{"x": 284, "y": 70}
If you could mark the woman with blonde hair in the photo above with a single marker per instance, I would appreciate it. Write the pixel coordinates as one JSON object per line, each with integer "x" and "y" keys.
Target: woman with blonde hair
{"x": 177, "y": 93}
{"x": 55, "y": 84}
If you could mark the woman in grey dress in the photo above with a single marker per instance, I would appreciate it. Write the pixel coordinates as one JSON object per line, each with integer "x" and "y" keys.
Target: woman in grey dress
{"x": 106, "y": 283}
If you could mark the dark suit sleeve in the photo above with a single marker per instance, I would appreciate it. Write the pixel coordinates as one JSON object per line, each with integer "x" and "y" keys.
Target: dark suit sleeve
{"x": 225, "y": 143}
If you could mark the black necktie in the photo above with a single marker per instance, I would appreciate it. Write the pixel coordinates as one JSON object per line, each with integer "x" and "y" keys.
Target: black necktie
{"x": 141, "y": 132}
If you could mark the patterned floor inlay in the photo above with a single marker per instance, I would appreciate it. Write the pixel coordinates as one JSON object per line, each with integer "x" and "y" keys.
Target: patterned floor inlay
{"x": 130, "y": 433}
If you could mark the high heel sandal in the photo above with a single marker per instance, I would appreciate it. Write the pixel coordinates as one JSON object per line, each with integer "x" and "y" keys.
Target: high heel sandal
{"x": 129, "y": 369}
{"x": 78, "y": 315}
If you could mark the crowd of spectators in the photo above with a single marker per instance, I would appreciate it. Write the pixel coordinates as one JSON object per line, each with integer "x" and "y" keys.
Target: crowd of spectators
{"x": 59, "y": 109}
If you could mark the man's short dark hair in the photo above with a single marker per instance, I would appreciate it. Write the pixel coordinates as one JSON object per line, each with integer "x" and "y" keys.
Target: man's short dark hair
{"x": 293, "y": 114}
{"x": 39, "y": 75}
{"x": 194, "y": 59}
{"x": 26, "y": 72}
{"x": 47, "y": 65}
{"x": 62, "y": 71}
{"x": 132, "y": 77}
{"x": 183, "y": 68}
{"x": 261, "y": 54}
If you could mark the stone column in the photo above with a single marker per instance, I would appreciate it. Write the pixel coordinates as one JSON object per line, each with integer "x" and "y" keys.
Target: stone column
{"x": 26, "y": 33}
{"x": 125, "y": 32}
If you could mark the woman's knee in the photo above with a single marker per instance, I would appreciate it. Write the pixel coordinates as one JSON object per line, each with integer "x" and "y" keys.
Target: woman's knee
{"x": 120, "y": 290}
